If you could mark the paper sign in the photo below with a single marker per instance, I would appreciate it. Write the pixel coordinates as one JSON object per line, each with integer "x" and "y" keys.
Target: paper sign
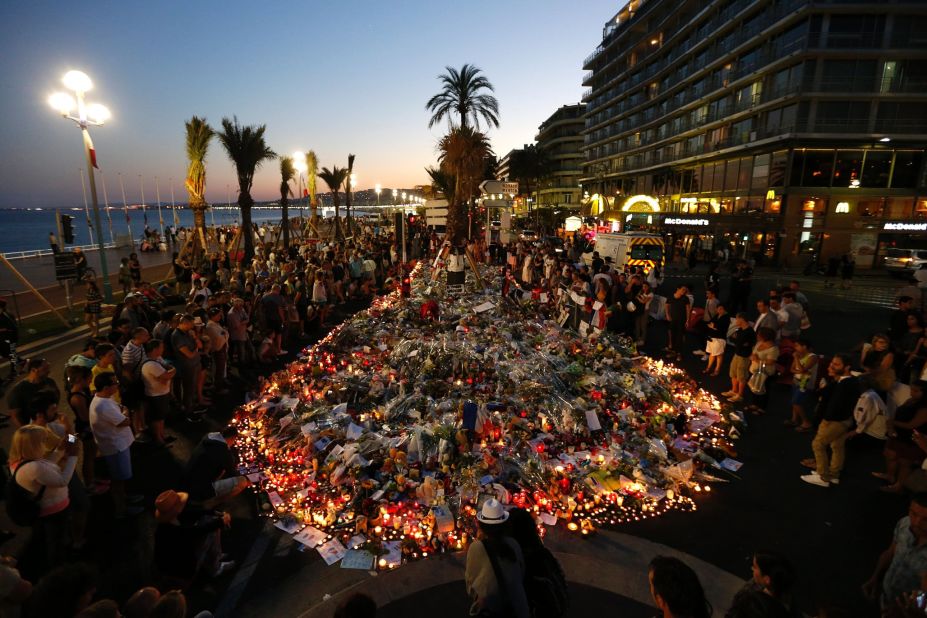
{"x": 578, "y": 298}
{"x": 321, "y": 444}
{"x": 548, "y": 519}
{"x": 255, "y": 477}
{"x": 484, "y": 307}
{"x": 592, "y": 419}
{"x": 377, "y": 494}
{"x": 486, "y": 480}
{"x": 354, "y": 432}
{"x": 309, "y": 536}
{"x": 332, "y": 551}
{"x": 597, "y": 305}
{"x": 286, "y": 420}
{"x": 341, "y": 408}
{"x": 564, "y": 316}
{"x": 583, "y": 328}
{"x": 308, "y": 428}
{"x": 393, "y": 554}
{"x": 289, "y": 402}
{"x": 656, "y": 493}
{"x": 288, "y": 525}
{"x": 543, "y": 297}
{"x": 357, "y": 559}
{"x": 731, "y": 465}
{"x": 275, "y": 499}
{"x": 356, "y": 541}
{"x": 413, "y": 353}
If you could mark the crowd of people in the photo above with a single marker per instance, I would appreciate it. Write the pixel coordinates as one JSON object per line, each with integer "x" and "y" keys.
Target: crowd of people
{"x": 174, "y": 349}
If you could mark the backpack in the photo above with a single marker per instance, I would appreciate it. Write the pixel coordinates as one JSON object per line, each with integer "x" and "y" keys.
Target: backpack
{"x": 22, "y": 506}
{"x": 546, "y": 586}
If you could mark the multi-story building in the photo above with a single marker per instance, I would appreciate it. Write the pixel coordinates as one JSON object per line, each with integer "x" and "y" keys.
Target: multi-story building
{"x": 772, "y": 128}
{"x": 560, "y": 139}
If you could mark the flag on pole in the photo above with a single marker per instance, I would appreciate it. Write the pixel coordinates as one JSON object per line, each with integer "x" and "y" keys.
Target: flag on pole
{"x": 91, "y": 149}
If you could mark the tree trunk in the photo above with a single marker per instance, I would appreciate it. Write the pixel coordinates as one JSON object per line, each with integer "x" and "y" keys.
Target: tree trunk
{"x": 284, "y": 206}
{"x": 247, "y": 229}
{"x": 199, "y": 224}
{"x": 456, "y": 216}
{"x": 339, "y": 234}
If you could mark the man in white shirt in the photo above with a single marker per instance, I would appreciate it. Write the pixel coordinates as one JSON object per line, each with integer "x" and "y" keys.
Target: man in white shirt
{"x": 112, "y": 432}
{"x": 157, "y": 379}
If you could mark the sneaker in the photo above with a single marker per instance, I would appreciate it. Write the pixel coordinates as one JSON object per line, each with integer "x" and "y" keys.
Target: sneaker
{"x": 815, "y": 479}
{"x": 835, "y": 481}
{"x": 223, "y": 568}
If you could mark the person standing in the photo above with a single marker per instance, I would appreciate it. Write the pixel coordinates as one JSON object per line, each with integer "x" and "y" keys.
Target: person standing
{"x": 804, "y": 375}
{"x": 186, "y": 348}
{"x": 112, "y": 432}
{"x": 157, "y": 380}
{"x": 274, "y": 308}
{"x": 239, "y": 338}
{"x": 37, "y": 380}
{"x": 677, "y": 314}
{"x": 716, "y": 335}
{"x": 901, "y": 568}
{"x": 80, "y": 263}
{"x": 766, "y": 318}
{"x": 495, "y": 567}
{"x": 219, "y": 344}
{"x": 93, "y": 307}
{"x": 743, "y": 340}
{"x": 763, "y": 360}
{"x": 53, "y": 242}
{"x": 837, "y": 405}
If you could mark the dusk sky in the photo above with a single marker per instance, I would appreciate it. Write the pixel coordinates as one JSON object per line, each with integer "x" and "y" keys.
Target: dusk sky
{"x": 338, "y": 77}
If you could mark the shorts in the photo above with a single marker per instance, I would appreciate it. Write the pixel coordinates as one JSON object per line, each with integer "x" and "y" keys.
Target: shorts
{"x": 157, "y": 408}
{"x": 119, "y": 465}
{"x": 740, "y": 368}
{"x": 799, "y": 396}
{"x": 224, "y": 487}
{"x": 275, "y": 326}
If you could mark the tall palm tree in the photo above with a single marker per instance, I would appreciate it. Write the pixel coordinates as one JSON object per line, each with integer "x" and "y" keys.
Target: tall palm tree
{"x": 246, "y": 148}
{"x": 312, "y": 170}
{"x": 462, "y": 152}
{"x": 199, "y": 134}
{"x": 334, "y": 178}
{"x": 348, "y": 189}
{"x": 462, "y": 95}
{"x": 287, "y": 173}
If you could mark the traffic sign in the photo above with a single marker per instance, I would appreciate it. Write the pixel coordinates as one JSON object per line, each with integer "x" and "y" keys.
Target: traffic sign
{"x": 490, "y": 187}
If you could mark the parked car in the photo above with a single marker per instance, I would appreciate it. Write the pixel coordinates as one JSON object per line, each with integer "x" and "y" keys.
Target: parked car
{"x": 529, "y": 235}
{"x": 905, "y": 261}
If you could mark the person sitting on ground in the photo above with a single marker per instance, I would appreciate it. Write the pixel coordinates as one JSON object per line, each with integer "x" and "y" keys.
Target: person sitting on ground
{"x": 769, "y": 592}
{"x": 900, "y": 569}
{"x": 489, "y": 595}
{"x": 676, "y": 589}
{"x": 901, "y": 452}
{"x": 212, "y": 471}
{"x": 188, "y": 540}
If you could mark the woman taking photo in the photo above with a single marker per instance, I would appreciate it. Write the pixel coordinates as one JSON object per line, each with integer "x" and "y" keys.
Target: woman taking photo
{"x": 43, "y": 464}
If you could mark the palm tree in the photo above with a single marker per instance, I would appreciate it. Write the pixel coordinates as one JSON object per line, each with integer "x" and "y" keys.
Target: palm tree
{"x": 334, "y": 178}
{"x": 347, "y": 191}
{"x": 246, "y": 148}
{"x": 312, "y": 170}
{"x": 442, "y": 182}
{"x": 462, "y": 152}
{"x": 199, "y": 134}
{"x": 287, "y": 173}
{"x": 461, "y": 96}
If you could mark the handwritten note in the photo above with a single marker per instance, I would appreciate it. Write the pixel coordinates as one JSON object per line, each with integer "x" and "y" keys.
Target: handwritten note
{"x": 357, "y": 559}
{"x": 332, "y": 551}
{"x": 310, "y": 536}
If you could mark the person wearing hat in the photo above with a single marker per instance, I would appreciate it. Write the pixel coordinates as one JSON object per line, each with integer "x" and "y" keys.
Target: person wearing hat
{"x": 495, "y": 567}
{"x": 188, "y": 540}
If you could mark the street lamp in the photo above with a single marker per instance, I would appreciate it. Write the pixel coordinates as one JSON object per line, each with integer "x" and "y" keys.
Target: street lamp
{"x": 92, "y": 114}
{"x": 376, "y": 189}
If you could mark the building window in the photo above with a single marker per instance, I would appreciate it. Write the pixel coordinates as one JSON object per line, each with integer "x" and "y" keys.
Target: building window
{"x": 876, "y": 168}
{"x": 777, "y": 168}
{"x": 818, "y": 168}
{"x": 904, "y": 173}
{"x": 855, "y": 31}
{"x": 843, "y": 116}
{"x": 847, "y": 169}
{"x": 732, "y": 174}
{"x": 910, "y": 31}
{"x": 567, "y": 198}
{"x": 848, "y": 76}
{"x": 744, "y": 178}
{"x": 760, "y": 172}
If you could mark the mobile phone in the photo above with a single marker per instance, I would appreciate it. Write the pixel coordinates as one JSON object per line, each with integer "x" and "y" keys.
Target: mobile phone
{"x": 72, "y": 439}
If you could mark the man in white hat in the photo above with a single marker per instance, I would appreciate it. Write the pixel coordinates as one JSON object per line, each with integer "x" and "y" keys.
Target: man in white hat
{"x": 495, "y": 567}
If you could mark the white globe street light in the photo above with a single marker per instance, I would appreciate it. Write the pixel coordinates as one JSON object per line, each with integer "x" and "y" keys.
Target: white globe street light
{"x": 94, "y": 114}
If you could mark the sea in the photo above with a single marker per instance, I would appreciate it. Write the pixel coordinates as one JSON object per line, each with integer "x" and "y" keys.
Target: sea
{"x": 27, "y": 229}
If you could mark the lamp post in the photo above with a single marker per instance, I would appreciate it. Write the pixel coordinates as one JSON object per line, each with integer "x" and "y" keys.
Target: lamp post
{"x": 93, "y": 114}
{"x": 376, "y": 189}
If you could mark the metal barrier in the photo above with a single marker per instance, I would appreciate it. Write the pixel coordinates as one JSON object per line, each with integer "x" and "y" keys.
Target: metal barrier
{"x": 33, "y": 253}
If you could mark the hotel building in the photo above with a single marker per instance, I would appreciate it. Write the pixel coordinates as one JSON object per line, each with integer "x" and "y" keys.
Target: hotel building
{"x": 772, "y": 128}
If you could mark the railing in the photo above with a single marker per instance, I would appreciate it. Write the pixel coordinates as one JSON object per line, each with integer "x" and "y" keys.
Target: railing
{"x": 33, "y": 253}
